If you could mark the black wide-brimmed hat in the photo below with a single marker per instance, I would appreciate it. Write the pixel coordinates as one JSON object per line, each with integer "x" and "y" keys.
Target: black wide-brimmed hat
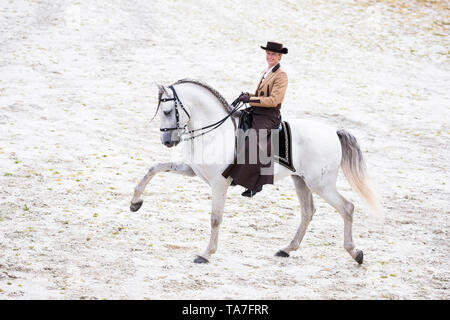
{"x": 275, "y": 47}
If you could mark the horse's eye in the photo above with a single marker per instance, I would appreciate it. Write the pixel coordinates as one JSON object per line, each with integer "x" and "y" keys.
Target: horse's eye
{"x": 167, "y": 112}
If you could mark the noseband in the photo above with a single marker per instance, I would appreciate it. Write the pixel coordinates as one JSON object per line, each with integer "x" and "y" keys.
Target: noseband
{"x": 237, "y": 104}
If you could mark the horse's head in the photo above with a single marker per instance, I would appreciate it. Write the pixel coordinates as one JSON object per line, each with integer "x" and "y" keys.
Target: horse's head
{"x": 173, "y": 120}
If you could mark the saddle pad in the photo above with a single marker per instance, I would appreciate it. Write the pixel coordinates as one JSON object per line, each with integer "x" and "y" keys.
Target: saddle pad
{"x": 284, "y": 154}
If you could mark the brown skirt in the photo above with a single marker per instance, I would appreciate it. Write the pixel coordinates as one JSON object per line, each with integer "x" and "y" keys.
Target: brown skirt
{"x": 254, "y": 171}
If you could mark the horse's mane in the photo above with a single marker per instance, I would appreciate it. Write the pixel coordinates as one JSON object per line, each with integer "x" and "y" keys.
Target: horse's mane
{"x": 222, "y": 100}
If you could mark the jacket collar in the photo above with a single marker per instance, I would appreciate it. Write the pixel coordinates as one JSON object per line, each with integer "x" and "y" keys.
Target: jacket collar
{"x": 269, "y": 76}
{"x": 276, "y": 67}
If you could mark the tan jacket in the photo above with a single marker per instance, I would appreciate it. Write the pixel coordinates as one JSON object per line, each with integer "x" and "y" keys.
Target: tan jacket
{"x": 270, "y": 92}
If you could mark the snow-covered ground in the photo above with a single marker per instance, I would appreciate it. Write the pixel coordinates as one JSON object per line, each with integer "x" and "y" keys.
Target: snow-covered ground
{"x": 77, "y": 92}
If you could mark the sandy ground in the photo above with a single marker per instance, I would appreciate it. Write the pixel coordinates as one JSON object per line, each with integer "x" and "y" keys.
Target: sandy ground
{"x": 76, "y": 96}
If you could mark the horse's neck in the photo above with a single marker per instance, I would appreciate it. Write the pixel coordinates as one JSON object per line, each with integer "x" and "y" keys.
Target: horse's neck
{"x": 216, "y": 146}
{"x": 205, "y": 109}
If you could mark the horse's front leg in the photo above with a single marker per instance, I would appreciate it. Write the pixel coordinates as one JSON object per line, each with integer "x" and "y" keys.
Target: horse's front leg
{"x": 176, "y": 167}
{"x": 219, "y": 195}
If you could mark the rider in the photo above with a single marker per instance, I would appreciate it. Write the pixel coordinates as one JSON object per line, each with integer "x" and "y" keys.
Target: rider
{"x": 264, "y": 108}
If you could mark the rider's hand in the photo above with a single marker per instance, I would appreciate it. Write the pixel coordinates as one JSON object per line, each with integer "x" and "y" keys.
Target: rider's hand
{"x": 245, "y": 97}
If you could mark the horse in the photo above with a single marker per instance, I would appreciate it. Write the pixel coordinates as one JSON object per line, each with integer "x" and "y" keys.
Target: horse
{"x": 318, "y": 151}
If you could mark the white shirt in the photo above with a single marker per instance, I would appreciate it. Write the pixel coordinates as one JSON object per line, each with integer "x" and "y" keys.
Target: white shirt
{"x": 267, "y": 72}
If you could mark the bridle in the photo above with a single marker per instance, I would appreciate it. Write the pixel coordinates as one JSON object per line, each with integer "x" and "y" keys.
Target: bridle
{"x": 237, "y": 104}
{"x": 177, "y": 114}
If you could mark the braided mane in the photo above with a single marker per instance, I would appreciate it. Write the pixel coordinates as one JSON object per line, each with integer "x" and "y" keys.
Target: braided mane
{"x": 222, "y": 100}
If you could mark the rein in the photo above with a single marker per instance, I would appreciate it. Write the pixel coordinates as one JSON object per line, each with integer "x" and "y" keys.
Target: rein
{"x": 237, "y": 104}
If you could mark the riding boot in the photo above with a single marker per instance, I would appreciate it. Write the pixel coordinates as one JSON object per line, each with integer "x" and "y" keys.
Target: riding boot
{"x": 250, "y": 193}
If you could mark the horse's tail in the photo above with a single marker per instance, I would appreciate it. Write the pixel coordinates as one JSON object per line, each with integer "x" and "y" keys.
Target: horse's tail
{"x": 354, "y": 168}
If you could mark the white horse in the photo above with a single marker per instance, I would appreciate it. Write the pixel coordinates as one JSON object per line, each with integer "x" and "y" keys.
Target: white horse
{"x": 318, "y": 151}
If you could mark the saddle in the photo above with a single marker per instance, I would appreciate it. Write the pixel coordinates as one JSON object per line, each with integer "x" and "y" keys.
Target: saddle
{"x": 245, "y": 120}
{"x": 282, "y": 154}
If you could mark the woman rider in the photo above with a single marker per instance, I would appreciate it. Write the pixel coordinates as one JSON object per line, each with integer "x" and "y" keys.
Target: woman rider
{"x": 264, "y": 109}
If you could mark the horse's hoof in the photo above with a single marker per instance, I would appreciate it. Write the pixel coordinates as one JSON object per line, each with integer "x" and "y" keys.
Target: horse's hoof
{"x": 282, "y": 253}
{"x": 200, "y": 260}
{"x": 359, "y": 257}
{"x": 136, "y": 206}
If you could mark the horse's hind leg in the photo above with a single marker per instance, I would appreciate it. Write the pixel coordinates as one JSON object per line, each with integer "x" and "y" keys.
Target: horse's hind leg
{"x": 345, "y": 208}
{"x": 307, "y": 206}
{"x": 176, "y": 167}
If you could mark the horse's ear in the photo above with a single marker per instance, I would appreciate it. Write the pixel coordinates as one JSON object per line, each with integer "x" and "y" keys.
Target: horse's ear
{"x": 161, "y": 89}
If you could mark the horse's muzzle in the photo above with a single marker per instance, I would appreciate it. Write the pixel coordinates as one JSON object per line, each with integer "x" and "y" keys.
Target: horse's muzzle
{"x": 170, "y": 144}
{"x": 169, "y": 139}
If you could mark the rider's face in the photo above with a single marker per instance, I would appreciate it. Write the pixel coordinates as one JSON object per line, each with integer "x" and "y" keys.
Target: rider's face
{"x": 272, "y": 58}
